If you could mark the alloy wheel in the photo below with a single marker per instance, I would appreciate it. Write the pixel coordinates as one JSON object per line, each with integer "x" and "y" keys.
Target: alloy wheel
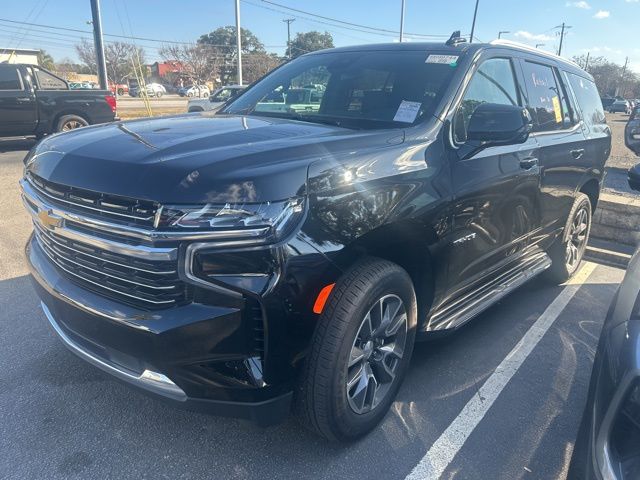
{"x": 577, "y": 238}
{"x": 376, "y": 354}
{"x": 71, "y": 125}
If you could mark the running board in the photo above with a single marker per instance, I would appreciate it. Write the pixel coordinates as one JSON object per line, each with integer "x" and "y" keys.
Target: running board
{"x": 455, "y": 314}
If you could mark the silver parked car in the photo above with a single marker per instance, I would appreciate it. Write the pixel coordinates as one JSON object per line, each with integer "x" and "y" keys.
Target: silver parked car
{"x": 216, "y": 100}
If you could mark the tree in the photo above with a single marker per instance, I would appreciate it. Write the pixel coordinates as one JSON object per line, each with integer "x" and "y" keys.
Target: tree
{"x": 222, "y": 41}
{"x": 305, "y": 42}
{"x": 257, "y": 65}
{"x": 119, "y": 56}
{"x": 45, "y": 60}
{"x": 611, "y": 78}
{"x": 199, "y": 62}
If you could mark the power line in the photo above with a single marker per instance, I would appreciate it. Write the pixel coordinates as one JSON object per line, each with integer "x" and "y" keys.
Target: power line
{"x": 358, "y": 25}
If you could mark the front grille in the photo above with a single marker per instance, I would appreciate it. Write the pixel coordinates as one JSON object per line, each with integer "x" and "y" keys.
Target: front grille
{"x": 140, "y": 283}
{"x": 99, "y": 205}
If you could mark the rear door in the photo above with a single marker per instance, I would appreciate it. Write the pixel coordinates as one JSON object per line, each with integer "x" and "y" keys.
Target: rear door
{"x": 558, "y": 131}
{"x": 496, "y": 209}
{"x": 18, "y": 112}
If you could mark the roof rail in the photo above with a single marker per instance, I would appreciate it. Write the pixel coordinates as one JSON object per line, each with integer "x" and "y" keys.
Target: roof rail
{"x": 529, "y": 48}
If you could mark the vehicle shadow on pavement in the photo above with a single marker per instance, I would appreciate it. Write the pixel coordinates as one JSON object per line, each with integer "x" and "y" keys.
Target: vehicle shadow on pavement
{"x": 16, "y": 144}
{"x": 65, "y": 418}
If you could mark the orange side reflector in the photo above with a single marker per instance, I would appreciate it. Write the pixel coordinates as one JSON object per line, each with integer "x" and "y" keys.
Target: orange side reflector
{"x": 323, "y": 296}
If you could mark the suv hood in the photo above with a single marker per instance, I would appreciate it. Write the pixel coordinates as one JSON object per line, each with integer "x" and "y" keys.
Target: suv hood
{"x": 197, "y": 158}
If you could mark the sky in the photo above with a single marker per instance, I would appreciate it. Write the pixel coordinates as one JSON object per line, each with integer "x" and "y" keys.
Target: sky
{"x": 603, "y": 27}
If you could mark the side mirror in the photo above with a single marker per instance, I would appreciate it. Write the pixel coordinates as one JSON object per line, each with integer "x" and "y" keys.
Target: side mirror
{"x": 634, "y": 177}
{"x": 493, "y": 124}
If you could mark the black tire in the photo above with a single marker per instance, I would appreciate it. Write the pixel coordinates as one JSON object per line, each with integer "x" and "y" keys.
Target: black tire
{"x": 189, "y": 94}
{"x": 196, "y": 109}
{"x": 70, "y": 122}
{"x": 323, "y": 399}
{"x": 205, "y": 95}
{"x": 567, "y": 251}
{"x": 120, "y": 91}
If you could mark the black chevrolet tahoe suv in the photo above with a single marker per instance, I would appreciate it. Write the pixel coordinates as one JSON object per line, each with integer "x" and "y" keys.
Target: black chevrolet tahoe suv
{"x": 285, "y": 254}
{"x": 34, "y": 101}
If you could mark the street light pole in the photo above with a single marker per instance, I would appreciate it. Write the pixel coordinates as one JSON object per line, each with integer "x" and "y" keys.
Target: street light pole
{"x": 473, "y": 25}
{"x": 501, "y": 32}
{"x": 402, "y": 22}
{"x": 239, "y": 42}
{"x": 99, "y": 45}
{"x": 539, "y": 45}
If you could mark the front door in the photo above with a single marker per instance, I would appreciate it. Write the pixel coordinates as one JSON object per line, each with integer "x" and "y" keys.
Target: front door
{"x": 496, "y": 192}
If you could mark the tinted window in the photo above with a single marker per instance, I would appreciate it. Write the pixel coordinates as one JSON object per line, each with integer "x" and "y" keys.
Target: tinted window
{"x": 9, "y": 78}
{"x": 588, "y": 100}
{"x": 48, "y": 81}
{"x": 367, "y": 89}
{"x": 493, "y": 82}
{"x": 546, "y": 103}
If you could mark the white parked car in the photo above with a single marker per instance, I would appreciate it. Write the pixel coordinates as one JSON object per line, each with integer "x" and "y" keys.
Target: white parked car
{"x": 153, "y": 90}
{"x": 216, "y": 99}
{"x": 195, "y": 91}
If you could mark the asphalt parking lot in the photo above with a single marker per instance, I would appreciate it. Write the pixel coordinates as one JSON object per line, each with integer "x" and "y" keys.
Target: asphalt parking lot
{"x": 501, "y": 399}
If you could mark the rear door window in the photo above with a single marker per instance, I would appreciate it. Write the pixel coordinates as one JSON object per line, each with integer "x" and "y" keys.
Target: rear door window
{"x": 493, "y": 82}
{"x": 47, "y": 81}
{"x": 588, "y": 100}
{"x": 547, "y": 102}
{"x": 9, "y": 78}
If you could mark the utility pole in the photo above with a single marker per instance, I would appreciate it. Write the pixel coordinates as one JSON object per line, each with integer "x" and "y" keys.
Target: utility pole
{"x": 402, "y": 22}
{"x": 563, "y": 27}
{"x": 473, "y": 25}
{"x": 99, "y": 44}
{"x": 501, "y": 32}
{"x": 624, "y": 72}
{"x": 586, "y": 62}
{"x": 288, "y": 22}
{"x": 239, "y": 42}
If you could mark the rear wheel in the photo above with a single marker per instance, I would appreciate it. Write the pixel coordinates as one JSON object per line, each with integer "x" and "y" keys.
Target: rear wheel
{"x": 158, "y": 94}
{"x": 567, "y": 252}
{"x": 360, "y": 351}
{"x": 70, "y": 122}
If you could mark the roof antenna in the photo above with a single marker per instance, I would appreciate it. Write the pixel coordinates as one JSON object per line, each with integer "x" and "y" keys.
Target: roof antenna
{"x": 455, "y": 39}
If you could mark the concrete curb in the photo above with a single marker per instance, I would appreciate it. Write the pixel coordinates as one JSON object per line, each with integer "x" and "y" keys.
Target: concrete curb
{"x": 608, "y": 253}
{"x": 617, "y": 219}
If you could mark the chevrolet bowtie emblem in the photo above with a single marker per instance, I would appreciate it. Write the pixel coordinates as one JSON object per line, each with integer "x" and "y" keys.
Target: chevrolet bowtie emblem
{"x": 49, "y": 220}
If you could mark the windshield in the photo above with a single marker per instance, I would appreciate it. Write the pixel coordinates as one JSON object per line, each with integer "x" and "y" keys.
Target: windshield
{"x": 374, "y": 89}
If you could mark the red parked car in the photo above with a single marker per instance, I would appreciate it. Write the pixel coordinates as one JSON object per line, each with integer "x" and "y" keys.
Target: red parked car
{"x": 119, "y": 88}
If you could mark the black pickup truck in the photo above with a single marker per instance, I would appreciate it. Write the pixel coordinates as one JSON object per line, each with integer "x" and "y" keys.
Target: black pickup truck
{"x": 36, "y": 102}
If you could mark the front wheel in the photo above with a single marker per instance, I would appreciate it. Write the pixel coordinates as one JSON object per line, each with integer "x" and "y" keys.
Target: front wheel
{"x": 360, "y": 351}
{"x": 567, "y": 252}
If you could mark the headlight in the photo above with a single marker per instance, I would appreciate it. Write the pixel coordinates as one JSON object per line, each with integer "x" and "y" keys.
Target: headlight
{"x": 269, "y": 221}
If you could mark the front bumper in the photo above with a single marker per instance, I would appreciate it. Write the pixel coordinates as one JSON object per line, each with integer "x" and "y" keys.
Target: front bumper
{"x": 195, "y": 356}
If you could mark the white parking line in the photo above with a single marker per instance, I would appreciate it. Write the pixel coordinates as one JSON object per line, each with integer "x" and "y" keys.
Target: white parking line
{"x": 445, "y": 448}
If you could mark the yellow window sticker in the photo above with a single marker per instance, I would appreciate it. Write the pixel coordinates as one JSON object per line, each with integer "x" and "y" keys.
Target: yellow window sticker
{"x": 556, "y": 109}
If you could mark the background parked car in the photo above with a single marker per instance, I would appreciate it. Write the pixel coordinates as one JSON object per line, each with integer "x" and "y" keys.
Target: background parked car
{"x": 621, "y": 106}
{"x": 632, "y": 131}
{"x": 195, "y": 91}
{"x": 119, "y": 88}
{"x": 153, "y": 90}
{"x": 216, "y": 100}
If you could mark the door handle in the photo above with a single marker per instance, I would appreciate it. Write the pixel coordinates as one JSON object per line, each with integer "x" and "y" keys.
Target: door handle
{"x": 528, "y": 163}
{"x": 577, "y": 154}
{"x": 23, "y": 99}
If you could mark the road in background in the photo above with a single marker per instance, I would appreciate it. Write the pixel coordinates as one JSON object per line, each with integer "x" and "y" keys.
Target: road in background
{"x": 62, "y": 418}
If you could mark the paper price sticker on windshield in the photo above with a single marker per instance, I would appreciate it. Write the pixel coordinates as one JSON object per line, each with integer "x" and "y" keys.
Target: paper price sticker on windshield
{"x": 556, "y": 109}
{"x": 407, "y": 112}
{"x": 442, "y": 59}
